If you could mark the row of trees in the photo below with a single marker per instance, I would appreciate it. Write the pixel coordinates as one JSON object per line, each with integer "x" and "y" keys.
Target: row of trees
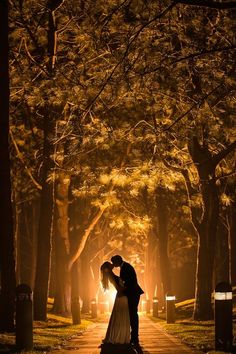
{"x": 122, "y": 136}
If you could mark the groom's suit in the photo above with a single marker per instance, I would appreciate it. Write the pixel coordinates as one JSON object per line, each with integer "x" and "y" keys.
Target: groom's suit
{"x": 133, "y": 292}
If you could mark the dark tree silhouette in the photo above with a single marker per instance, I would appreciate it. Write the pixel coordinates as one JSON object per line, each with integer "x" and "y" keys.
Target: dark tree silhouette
{"x": 7, "y": 262}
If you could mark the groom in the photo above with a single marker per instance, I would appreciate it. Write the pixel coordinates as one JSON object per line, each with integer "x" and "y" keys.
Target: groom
{"x": 133, "y": 292}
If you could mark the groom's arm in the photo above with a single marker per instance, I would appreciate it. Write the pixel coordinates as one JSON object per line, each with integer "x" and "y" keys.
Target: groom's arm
{"x": 129, "y": 277}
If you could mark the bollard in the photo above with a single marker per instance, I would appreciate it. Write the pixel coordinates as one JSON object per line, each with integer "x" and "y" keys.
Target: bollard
{"x": 24, "y": 318}
{"x": 155, "y": 307}
{"x": 144, "y": 304}
{"x": 223, "y": 317}
{"x": 148, "y": 306}
{"x": 75, "y": 310}
{"x": 170, "y": 308}
{"x": 94, "y": 308}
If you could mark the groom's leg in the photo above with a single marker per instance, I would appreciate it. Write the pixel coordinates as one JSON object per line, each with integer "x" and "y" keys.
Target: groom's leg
{"x": 134, "y": 320}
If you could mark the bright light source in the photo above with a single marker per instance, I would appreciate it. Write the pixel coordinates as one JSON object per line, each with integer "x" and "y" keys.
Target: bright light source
{"x": 111, "y": 295}
{"x": 223, "y": 296}
{"x": 170, "y": 297}
{"x": 144, "y": 305}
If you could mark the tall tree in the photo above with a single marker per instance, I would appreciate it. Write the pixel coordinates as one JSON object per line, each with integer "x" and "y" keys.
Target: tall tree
{"x": 47, "y": 202}
{"x": 7, "y": 261}
{"x": 206, "y": 224}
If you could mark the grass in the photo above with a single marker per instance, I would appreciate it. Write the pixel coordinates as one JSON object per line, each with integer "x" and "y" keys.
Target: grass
{"x": 48, "y": 335}
{"x": 199, "y": 335}
{"x": 54, "y": 333}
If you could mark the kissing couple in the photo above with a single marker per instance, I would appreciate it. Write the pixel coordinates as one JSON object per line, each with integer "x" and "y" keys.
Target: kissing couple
{"x": 124, "y": 315}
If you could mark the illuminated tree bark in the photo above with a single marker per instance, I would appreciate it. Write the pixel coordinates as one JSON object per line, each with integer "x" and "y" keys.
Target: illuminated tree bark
{"x": 7, "y": 261}
{"x": 162, "y": 234}
{"x": 73, "y": 212}
{"x": 62, "y": 300}
{"x": 152, "y": 278}
{"x": 86, "y": 280}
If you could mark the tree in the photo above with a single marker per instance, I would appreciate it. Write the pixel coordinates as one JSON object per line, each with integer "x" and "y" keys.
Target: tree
{"x": 7, "y": 261}
{"x": 206, "y": 225}
{"x": 47, "y": 197}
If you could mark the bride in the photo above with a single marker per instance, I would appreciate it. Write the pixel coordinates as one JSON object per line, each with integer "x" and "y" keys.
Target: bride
{"x": 118, "y": 331}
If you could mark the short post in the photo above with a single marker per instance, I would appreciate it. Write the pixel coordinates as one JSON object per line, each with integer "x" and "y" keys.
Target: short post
{"x": 148, "y": 306}
{"x": 24, "y": 318}
{"x": 93, "y": 308}
{"x": 75, "y": 310}
{"x": 155, "y": 307}
{"x": 170, "y": 308}
{"x": 223, "y": 317}
{"x": 144, "y": 304}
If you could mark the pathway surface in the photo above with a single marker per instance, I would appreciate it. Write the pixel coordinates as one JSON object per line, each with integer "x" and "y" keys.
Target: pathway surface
{"x": 153, "y": 340}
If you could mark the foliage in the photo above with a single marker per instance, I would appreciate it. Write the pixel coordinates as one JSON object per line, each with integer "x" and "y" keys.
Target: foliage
{"x": 133, "y": 82}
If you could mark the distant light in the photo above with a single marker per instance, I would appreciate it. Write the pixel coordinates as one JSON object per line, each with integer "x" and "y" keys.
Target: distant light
{"x": 223, "y": 296}
{"x": 155, "y": 300}
{"x": 143, "y": 304}
{"x": 170, "y": 297}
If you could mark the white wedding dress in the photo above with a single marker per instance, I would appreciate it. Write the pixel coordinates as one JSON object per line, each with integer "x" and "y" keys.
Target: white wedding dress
{"x": 118, "y": 331}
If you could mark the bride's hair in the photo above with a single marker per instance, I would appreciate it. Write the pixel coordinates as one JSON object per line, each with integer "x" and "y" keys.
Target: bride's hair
{"x": 106, "y": 270}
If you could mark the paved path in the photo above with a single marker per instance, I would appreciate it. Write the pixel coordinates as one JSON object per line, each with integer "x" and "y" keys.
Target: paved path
{"x": 153, "y": 340}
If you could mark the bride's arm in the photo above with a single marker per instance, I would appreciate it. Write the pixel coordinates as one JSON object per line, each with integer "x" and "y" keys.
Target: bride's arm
{"x": 118, "y": 284}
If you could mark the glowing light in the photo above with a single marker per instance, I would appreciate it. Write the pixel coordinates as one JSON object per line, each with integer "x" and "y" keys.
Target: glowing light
{"x": 170, "y": 297}
{"x": 144, "y": 302}
{"x": 110, "y": 295}
{"x": 223, "y": 296}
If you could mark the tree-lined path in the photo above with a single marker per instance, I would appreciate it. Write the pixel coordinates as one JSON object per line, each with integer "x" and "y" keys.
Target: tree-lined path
{"x": 153, "y": 340}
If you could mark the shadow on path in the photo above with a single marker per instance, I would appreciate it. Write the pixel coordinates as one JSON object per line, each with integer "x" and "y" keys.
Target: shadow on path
{"x": 120, "y": 349}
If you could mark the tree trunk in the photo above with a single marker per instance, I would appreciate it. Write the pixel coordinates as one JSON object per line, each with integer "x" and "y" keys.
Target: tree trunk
{"x": 62, "y": 301}
{"x": 46, "y": 205}
{"x": 26, "y": 242}
{"x": 7, "y": 260}
{"x": 151, "y": 272}
{"x": 45, "y": 231}
{"x": 74, "y": 222}
{"x": 86, "y": 280}
{"x": 75, "y": 290}
{"x": 222, "y": 271}
{"x": 162, "y": 215}
{"x": 206, "y": 227}
{"x": 203, "y": 286}
{"x": 232, "y": 241}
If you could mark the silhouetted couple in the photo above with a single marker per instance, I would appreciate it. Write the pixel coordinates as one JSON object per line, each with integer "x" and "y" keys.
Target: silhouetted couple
{"x": 124, "y": 314}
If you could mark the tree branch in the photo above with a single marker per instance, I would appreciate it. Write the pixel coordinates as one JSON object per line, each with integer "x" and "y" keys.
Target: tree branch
{"x": 221, "y": 5}
{"x": 158, "y": 16}
{"x": 189, "y": 189}
{"x": 222, "y": 154}
{"x": 203, "y": 52}
{"x": 38, "y": 186}
{"x": 85, "y": 237}
{"x": 95, "y": 219}
{"x": 196, "y": 104}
